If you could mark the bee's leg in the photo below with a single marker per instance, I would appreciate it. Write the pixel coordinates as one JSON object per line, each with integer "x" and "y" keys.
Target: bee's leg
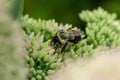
{"x": 55, "y": 45}
{"x": 63, "y": 50}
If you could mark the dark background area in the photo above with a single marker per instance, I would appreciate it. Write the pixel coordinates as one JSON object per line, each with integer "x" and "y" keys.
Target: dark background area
{"x": 66, "y": 11}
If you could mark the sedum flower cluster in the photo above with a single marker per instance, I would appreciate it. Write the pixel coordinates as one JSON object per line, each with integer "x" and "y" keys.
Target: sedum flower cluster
{"x": 102, "y": 29}
{"x": 12, "y": 63}
{"x": 41, "y": 57}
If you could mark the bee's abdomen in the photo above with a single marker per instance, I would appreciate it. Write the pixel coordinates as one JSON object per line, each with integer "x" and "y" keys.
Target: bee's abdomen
{"x": 74, "y": 36}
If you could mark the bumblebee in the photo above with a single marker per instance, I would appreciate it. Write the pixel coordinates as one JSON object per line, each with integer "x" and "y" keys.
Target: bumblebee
{"x": 64, "y": 37}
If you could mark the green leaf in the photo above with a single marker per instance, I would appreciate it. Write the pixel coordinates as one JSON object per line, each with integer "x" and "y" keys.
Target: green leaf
{"x": 14, "y": 8}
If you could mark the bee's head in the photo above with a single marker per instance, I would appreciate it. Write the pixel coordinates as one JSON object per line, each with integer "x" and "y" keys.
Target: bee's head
{"x": 62, "y": 36}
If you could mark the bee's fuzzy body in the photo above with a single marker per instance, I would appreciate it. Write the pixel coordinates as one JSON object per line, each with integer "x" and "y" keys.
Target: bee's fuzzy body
{"x": 64, "y": 37}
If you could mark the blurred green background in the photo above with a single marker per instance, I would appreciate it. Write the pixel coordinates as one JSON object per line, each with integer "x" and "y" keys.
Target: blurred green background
{"x": 66, "y": 11}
